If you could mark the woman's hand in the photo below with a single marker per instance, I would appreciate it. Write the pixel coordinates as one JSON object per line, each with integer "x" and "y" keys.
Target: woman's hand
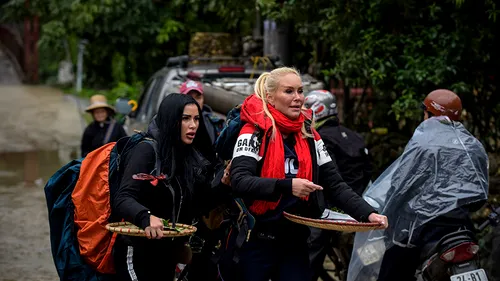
{"x": 384, "y": 223}
{"x": 226, "y": 178}
{"x": 155, "y": 228}
{"x": 302, "y": 187}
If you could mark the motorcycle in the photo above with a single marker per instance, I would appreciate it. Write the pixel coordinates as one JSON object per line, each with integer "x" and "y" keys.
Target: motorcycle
{"x": 455, "y": 256}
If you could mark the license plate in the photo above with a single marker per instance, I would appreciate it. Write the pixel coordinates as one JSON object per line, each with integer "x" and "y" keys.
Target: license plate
{"x": 475, "y": 275}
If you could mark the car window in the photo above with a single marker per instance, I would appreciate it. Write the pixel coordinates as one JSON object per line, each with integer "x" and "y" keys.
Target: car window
{"x": 144, "y": 101}
{"x": 170, "y": 87}
{"x": 154, "y": 100}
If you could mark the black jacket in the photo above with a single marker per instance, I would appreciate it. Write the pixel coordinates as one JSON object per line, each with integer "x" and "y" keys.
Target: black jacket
{"x": 350, "y": 153}
{"x": 135, "y": 199}
{"x": 213, "y": 123}
{"x": 93, "y": 136}
{"x": 247, "y": 184}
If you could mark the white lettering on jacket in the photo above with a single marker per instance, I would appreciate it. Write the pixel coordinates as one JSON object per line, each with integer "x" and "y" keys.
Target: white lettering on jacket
{"x": 322, "y": 153}
{"x": 247, "y": 145}
{"x": 289, "y": 167}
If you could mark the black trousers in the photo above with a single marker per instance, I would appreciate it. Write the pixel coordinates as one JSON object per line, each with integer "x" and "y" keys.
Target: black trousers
{"x": 142, "y": 264}
{"x": 261, "y": 260}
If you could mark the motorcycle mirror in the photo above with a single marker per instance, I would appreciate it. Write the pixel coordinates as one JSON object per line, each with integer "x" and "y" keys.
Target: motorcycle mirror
{"x": 125, "y": 105}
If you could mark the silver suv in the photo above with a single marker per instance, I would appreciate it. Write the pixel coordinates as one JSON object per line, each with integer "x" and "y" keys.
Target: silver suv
{"x": 227, "y": 81}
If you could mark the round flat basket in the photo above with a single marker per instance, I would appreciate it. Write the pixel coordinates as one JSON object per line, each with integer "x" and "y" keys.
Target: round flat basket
{"x": 129, "y": 229}
{"x": 337, "y": 225}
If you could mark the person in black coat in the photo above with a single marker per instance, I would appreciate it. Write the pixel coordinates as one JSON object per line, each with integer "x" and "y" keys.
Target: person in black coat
{"x": 103, "y": 129}
{"x": 345, "y": 145}
{"x": 185, "y": 193}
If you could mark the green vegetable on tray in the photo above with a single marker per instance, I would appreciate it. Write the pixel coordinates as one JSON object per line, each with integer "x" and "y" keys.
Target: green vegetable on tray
{"x": 166, "y": 225}
{"x": 335, "y": 209}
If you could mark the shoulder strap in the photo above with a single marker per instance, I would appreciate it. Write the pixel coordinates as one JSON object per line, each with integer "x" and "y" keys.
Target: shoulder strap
{"x": 154, "y": 144}
{"x": 309, "y": 128}
{"x": 109, "y": 131}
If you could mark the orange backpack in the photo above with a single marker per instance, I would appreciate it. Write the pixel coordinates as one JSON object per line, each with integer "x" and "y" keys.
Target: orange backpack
{"x": 98, "y": 181}
{"x": 93, "y": 208}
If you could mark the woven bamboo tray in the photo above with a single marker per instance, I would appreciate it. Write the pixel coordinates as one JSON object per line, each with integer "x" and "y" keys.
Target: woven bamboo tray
{"x": 337, "y": 225}
{"x": 129, "y": 229}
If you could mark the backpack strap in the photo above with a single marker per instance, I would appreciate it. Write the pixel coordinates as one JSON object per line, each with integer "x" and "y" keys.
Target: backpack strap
{"x": 109, "y": 131}
{"x": 308, "y": 123}
{"x": 157, "y": 170}
{"x": 173, "y": 214}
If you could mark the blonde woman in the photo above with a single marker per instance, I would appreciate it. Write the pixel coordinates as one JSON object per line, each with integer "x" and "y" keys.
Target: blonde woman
{"x": 288, "y": 170}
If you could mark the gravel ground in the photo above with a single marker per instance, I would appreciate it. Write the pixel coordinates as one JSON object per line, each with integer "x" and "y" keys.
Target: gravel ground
{"x": 24, "y": 235}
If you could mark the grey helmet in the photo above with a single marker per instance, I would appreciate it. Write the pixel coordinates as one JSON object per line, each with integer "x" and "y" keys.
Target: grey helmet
{"x": 322, "y": 103}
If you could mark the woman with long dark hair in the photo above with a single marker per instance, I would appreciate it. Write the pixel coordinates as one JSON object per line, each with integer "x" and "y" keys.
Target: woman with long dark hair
{"x": 185, "y": 154}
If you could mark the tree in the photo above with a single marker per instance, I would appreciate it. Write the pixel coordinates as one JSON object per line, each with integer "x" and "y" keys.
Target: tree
{"x": 128, "y": 39}
{"x": 403, "y": 49}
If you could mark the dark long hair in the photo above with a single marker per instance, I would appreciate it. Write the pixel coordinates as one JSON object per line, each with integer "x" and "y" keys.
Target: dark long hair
{"x": 177, "y": 157}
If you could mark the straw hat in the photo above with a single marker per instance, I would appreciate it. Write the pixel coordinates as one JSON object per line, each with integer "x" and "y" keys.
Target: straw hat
{"x": 99, "y": 101}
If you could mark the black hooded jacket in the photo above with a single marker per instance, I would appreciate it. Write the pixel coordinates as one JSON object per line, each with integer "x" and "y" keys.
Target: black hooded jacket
{"x": 247, "y": 183}
{"x": 136, "y": 200}
{"x": 350, "y": 153}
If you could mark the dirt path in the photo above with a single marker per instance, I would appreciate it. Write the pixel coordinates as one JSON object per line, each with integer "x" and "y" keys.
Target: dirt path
{"x": 24, "y": 235}
{"x": 46, "y": 123}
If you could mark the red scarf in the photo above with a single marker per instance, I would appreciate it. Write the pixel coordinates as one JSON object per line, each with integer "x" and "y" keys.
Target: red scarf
{"x": 252, "y": 114}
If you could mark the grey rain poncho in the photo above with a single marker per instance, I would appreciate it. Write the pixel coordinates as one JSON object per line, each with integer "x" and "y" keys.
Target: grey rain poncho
{"x": 442, "y": 168}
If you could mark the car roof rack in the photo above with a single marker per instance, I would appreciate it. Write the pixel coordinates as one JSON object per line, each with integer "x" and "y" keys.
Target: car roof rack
{"x": 185, "y": 61}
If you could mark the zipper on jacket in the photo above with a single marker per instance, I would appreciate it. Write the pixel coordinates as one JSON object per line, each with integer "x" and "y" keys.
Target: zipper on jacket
{"x": 172, "y": 191}
{"x": 182, "y": 199}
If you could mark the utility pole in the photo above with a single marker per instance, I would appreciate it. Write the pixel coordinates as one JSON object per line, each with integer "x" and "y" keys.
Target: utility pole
{"x": 79, "y": 65}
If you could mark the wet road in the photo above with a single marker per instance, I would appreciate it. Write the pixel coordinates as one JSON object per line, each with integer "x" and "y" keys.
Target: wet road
{"x": 39, "y": 132}
{"x": 24, "y": 235}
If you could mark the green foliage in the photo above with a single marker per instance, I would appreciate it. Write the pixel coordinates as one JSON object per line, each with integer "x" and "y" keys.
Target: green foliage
{"x": 128, "y": 40}
{"x": 122, "y": 90}
{"x": 169, "y": 27}
{"x": 118, "y": 68}
{"x": 403, "y": 50}
{"x": 125, "y": 90}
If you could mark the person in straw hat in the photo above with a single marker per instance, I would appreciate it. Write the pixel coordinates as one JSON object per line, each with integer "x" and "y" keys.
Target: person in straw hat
{"x": 104, "y": 129}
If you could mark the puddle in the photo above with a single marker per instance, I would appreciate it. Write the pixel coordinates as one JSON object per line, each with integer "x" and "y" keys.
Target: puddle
{"x": 33, "y": 168}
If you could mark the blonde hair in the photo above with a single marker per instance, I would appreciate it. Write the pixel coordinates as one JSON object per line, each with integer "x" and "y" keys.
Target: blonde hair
{"x": 268, "y": 82}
